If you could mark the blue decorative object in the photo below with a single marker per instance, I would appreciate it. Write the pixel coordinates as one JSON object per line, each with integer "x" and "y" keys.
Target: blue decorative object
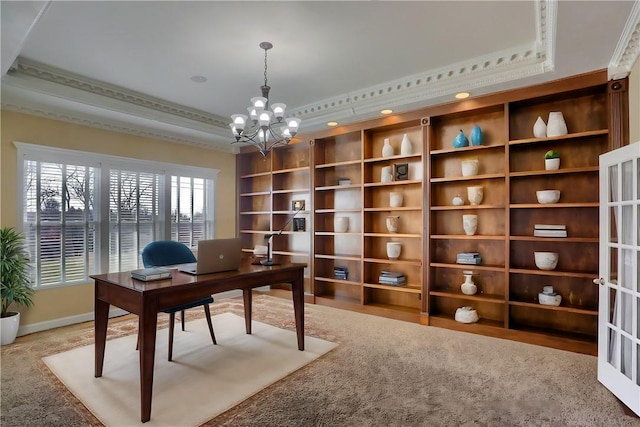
{"x": 460, "y": 140}
{"x": 476, "y": 135}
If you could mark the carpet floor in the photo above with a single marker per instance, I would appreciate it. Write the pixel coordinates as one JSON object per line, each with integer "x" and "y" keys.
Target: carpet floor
{"x": 383, "y": 373}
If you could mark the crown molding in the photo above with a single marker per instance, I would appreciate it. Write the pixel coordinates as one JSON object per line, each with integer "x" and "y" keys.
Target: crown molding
{"x": 628, "y": 47}
{"x": 114, "y": 126}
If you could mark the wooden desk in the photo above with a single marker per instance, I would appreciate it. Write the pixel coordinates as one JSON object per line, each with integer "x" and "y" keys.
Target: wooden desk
{"x": 146, "y": 299}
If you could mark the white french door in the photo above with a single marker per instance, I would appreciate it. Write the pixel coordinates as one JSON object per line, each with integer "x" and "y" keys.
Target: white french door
{"x": 619, "y": 282}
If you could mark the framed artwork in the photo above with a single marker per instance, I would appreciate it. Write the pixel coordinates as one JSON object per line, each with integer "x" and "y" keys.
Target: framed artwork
{"x": 299, "y": 224}
{"x": 297, "y": 205}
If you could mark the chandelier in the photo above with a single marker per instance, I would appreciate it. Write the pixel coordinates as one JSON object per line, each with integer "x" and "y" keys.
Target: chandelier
{"x": 264, "y": 129}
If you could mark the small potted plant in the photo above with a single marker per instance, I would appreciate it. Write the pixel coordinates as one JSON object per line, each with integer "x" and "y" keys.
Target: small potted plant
{"x": 552, "y": 160}
{"x": 15, "y": 282}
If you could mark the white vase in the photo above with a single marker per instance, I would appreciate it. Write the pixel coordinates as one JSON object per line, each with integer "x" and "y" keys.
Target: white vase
{"x": 475, "y": 195}
{"x": 395, "y": 199}
{"x": 9, "y": 329}
{"x": 552, "y": 164}
{"x": 468, "y": 287}
{"x": 457, "y": 200}
{"x": 386, "y": 174}
{"x": 540, "y": 128}
{"x": 470, "y": 224}
{"x": 556, "y": 125}
{"x": 387, "y": 149}
{"x": 341, "y": 224}
{"x": 394, "y": 249}
{"x": 406, "y": 149}
{"x": 470, "y": 167}
{"x": 392, "y": 223}
{"x": 466, "y": 315}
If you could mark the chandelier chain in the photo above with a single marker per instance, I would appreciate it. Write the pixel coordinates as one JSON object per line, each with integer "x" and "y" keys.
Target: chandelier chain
{"x": 265, "y": 67}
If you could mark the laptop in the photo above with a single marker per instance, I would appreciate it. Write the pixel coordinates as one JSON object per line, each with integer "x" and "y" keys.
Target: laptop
{"x": 214, "y": 256}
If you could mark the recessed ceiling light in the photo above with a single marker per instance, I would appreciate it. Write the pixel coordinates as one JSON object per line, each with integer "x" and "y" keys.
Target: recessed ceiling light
{"x": 386, "y": 111}
{"x": 332, "y": 124}
{"x": 462, "y": 95}
{"x": 198, "y": 79}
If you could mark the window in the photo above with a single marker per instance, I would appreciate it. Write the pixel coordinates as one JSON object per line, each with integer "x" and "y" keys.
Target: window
{"x": 85, "y": 213}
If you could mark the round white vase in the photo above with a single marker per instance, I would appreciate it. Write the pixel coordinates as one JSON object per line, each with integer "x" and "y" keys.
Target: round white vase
{"x": 393, "y": 250}
{"x": 556, "y": 125}
{"x": 406, "y": 149}
{"x": 475, "y": 194}
{"x": 392, "y": 223}
{"x": 341, "y": 224}
{"x": 387, "y": 149}
{"x": 540, "y": 128}
{"x": 395, "y": 199}
{"x": 9, "y": 329}
{"x": 470, "y": 224}
{"x": 469, "y": 167}
{"x": 468, "y": 287}
{"x": 466, "y": 315}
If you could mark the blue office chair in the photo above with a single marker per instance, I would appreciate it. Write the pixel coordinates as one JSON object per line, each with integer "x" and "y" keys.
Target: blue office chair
{"x": 169, "y": 252}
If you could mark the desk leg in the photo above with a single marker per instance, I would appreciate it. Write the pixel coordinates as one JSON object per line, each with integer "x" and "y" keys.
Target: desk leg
{"x": 297, "y": 290}
{"x": 247, "y": 296}
{"x": 147, "y": 323}
{"x": 100, "y": 334}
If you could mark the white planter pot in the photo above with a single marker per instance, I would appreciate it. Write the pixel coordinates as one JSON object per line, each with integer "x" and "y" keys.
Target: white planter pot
{"x": 475, "y": 195}
{"x": 470, "y": 224}
{"x": 470, "y": 167}
{"x": 9, "y": 328}
{"x": 393, "y": 250}
{"x": 392, "y": 223}
{"x": 341, "y": 224}
{"x": 552, "y": 164}
{"x": 395, "y": 199}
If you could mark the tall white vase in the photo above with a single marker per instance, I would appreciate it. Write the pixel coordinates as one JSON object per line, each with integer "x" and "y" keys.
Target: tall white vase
{"x": 475, "y": 194}
{"x": 540, "y": 128}
{"x": 341, "y": 224}
{"x": 470, "y": 224}
{"x": 387, "y": 149}
{"x": 556, "y": 125}
{"x": 406, "y": 149}
{"x": 395, "y": 199}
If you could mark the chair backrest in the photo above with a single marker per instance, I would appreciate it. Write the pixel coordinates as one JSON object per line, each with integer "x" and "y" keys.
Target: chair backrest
{"x": 166, "y": 252}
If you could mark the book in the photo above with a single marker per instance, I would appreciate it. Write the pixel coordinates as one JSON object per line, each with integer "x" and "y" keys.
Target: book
{"x": 148, "y": 274}
{"x": 471, "y": 261}
{"x": 549, "y": 227}
{"x": 550, "y": 233}
{"x": 387, "y": 273}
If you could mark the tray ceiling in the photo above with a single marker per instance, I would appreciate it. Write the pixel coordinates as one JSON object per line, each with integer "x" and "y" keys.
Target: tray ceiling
{"x": 127, "y": 66}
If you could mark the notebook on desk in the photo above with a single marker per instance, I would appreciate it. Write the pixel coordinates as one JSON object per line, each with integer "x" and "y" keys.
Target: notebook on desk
{"x": 214, "y": 256}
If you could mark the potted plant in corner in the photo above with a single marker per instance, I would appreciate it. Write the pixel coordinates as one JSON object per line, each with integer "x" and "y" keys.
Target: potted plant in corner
{"x": 551, "y": 160}
{"x": 15, "y": 282}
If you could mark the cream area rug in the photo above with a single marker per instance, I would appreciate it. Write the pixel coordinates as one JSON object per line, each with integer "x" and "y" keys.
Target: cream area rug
{"x": 201, "y": 382}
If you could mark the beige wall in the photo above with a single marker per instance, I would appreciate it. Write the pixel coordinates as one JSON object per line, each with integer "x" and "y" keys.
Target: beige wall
{"x": 72, "y": 301}
{"x": 634, "y": 103}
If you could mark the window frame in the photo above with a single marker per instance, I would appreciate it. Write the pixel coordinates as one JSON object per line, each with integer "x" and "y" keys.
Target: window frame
{"x": 103, "y": 164}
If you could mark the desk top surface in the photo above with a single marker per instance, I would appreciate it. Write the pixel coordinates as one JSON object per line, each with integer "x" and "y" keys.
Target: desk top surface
{"x": 246, "y": 272}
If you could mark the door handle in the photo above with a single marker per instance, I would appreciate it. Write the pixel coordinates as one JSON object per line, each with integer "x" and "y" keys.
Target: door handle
{"x": 598, "y": 281}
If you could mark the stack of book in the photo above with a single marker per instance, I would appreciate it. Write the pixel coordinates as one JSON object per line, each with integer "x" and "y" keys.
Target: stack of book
{"x": 469, "y": 258}
{"x": 341, "y": 273}
{"x": 550, "y": 230}
{"x": 147, "y": 274}
{"x": 392, "y": 278}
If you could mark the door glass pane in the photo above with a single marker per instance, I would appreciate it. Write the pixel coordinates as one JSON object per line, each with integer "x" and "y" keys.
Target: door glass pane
{"x": 626, "y": 315}
{"x": 627, "y": 225}
{"x": 612, "y": 306}
{"x": 613, "y": 265}
{"x": 611, "y": 356}
{"x": 627, "y": 180}
{"x": 626, "y": 275}
{"x": 613, "y": 221}
{"x": 613, "y": 180}
{"x": 637, "y": 365}
{"x": 626, "y": 349}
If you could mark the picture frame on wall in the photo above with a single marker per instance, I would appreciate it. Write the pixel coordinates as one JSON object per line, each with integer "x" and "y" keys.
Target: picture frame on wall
{"x": 299, "y": 224}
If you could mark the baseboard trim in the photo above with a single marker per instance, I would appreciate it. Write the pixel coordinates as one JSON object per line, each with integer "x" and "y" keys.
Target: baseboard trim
{"x": 115, "y": 312}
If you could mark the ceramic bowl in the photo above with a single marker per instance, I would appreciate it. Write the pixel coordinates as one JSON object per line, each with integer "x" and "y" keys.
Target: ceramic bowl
{"x": 548, "y": 196}
{"x": 546, "y": 260}
{"x": 546, "y": 299}
{"x": 466, "y": 315}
